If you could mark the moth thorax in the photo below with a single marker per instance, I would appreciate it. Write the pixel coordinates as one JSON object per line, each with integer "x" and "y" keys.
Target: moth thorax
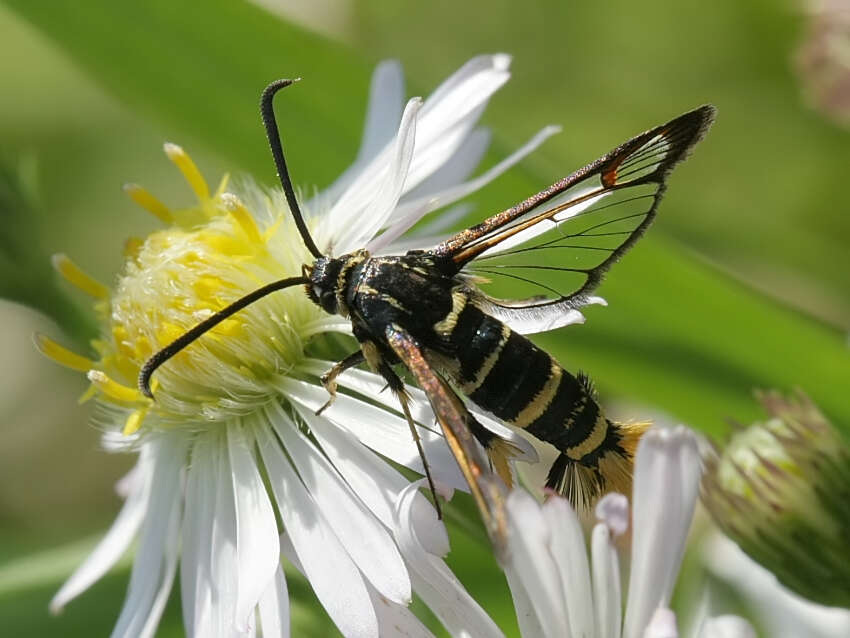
{"x": 329, "y": 279}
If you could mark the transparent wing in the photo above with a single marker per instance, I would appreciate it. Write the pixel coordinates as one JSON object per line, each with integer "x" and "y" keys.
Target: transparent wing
{"x": 554, "y": 248}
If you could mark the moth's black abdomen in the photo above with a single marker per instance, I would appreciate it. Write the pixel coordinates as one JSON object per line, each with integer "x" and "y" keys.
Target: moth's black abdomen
{"x": 504, "y": 373}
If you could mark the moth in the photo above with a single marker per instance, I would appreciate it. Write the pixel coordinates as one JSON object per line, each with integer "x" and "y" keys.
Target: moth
{"x": 439, "y": 313}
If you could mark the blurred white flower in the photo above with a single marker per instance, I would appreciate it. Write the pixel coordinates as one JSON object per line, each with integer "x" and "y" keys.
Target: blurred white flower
{"x": 823, "y": 58}
{"x": 232, "y": 440}
{"x": 783, "y": 613}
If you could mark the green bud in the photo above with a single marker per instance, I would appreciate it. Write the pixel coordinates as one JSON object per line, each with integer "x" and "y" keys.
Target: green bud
{"x": 781, "y": 490}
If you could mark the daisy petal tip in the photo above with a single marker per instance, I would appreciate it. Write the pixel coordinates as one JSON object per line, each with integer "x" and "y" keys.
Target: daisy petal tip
{"x": 56, "y": 607}
{"x": 613, "y": 510}
{"x": 413, "y": 105}
{"x": 727, "y": 626}
{"x": 444, "y": 490}
{"x": 662, "y": 625}
{"x": 389, "y": 66}
{"x": 501, "y": 61}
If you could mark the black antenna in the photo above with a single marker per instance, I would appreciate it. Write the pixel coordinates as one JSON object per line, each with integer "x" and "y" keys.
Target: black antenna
{"x": 273, "y": 133}
{"x": 210, "y": 322}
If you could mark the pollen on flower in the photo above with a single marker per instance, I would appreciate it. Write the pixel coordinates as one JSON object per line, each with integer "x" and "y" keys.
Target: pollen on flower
{"x": 207, "y": 256}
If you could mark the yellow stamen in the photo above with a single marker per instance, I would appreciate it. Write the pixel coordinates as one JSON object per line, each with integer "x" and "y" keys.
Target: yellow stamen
{"x": 61, "y": 355}
{"x": 222, "y": 185}
{"x": 89, "y": 394}
{"x": 113, "y": 389}
{"x": 242, "y": 216}
{"x": 209, "y": 287}
{"x": 75, "y": 276}
{"x": 224, "y": 245}
{"x": 190, "y": 172}
{"x": 150, "y": 203}
{"x": 168, "y": 332}
{"x": 132, "y": 246}
{"x": 134, "y": 421}
{"x": 271, "y": 230}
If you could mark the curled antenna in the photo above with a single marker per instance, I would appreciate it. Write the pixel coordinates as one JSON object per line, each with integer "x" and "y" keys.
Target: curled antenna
{"x": 273, "y": 133}
{"x": 191, "y": 335}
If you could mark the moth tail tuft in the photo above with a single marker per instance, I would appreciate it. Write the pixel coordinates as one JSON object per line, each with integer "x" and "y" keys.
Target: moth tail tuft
{"x": 607, "y": 469}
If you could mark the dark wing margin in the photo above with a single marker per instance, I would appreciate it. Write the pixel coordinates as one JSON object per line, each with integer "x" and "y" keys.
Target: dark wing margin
{"x": 451, "y": 413}
{"x": 573, "y": 231}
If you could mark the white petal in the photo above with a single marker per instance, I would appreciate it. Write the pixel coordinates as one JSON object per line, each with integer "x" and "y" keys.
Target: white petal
{"x": 219, "y": 619}
{"x": 377, "y": 484}
{"x": 784, "y": 614}
{"x": 257, "y": 545}
{"x": 384, "y": 432}
{"x": 386, "y": 99}
{"x": 412, "y": 211}
{"x": 367, "y": 542}
{"x": 131, "y": 482}
{"x": 607, "y": 596}
{"x": 662, "y": 625}
{"x": 451, "y": 112}
{"x": 448, "y": 116}
{"x": 667, "y": 468}
{"x": 727, "y": 627}
{"x": 372, "y": 386}
{"x": 117, "y": 539}
{"x": 455, "y": 170}
{"x": 377, "y": 189}
{"x": 431, "y": 230}
{"x": 397, "y": 620}
{"x": 529, "y": 541}
{"x": 385, "y": 200}
{"x": 570, "y": 556}
{"x": 153, "y": 569}
{"x": 481, "y": 64}
{"x": 435, "y": 583}
{"x": 195, "y": 576}
{"x": 274, "y": 608}
{"x": 526, "y": 614}
{"x": 331, "y": 572}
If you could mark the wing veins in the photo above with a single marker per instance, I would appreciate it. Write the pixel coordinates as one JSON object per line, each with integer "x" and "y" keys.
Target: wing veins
{"x": 525, "y": 279}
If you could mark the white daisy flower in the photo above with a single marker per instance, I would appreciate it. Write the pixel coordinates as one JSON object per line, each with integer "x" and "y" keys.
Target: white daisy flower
{"x": 561, "y": 592}
{"x": 232, "y": 441}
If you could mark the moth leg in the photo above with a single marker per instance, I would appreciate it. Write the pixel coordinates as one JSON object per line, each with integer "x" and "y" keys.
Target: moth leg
{"x": 452, "y": 416}
{"x": 380, "y": 365}
{"x": 329, "y": 377}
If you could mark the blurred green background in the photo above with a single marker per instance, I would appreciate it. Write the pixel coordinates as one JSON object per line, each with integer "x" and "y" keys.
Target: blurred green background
{"x": 744, "y": 281}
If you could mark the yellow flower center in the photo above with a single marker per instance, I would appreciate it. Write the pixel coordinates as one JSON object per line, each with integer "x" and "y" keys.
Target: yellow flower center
{"x": 209, "y": 256}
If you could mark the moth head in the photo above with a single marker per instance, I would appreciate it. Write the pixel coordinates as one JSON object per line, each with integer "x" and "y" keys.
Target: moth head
{"x": 322, "y": 288}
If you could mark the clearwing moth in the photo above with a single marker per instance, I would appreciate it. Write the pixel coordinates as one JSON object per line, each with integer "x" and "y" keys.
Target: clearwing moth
{"x": 437, "y": 313}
